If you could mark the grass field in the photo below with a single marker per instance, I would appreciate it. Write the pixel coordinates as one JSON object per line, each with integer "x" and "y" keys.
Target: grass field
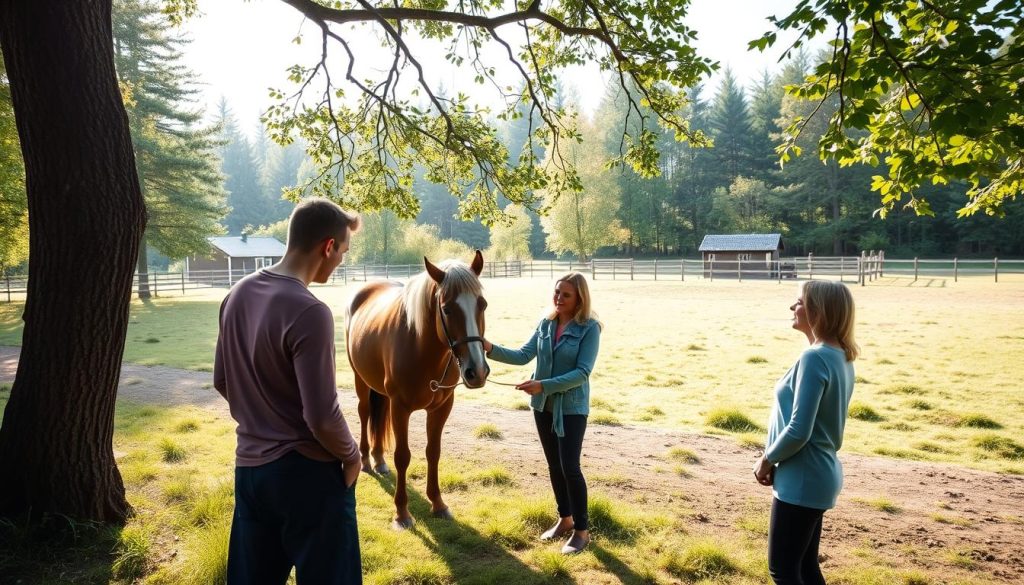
{"x": 938, "y": 379}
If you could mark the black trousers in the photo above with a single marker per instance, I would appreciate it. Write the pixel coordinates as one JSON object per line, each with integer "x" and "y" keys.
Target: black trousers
{"x": 563, "y": 456}
{"x": 294, "y": 512}
{"x": 793, "y": 538}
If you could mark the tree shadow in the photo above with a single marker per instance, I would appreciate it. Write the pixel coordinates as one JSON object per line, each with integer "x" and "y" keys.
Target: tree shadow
{"x": 472, "y": 557}
{"x": 56, "y": 549}
{"x": 615, "y": 566}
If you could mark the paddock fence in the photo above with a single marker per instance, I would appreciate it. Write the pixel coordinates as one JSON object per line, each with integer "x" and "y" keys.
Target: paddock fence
{"x": 861, "y": 270}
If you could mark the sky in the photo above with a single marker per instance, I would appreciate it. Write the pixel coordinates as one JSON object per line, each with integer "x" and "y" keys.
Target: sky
{"x": 241, "y": 48}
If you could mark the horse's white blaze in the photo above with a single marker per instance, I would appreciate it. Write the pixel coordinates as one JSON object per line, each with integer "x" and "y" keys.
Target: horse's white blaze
{"x": 467, "y": 302}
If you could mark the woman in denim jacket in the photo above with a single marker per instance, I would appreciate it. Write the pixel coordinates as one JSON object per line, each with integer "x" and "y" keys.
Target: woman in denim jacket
{"x": 565, "y": 346}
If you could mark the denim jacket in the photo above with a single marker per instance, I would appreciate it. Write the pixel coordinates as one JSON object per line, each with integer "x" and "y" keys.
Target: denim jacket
{"x": 563, "y": 369}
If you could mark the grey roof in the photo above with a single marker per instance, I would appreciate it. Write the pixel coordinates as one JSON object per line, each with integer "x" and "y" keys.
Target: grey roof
{"x": 741, "y": 243}
{"x": 234, "y": 247}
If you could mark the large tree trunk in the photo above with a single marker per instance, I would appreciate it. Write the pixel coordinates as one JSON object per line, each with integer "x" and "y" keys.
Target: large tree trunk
{"x": 86, "y": 216}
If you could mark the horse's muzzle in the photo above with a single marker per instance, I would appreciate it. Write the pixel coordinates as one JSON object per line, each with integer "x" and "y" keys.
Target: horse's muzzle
{"x": 476, "y": 376}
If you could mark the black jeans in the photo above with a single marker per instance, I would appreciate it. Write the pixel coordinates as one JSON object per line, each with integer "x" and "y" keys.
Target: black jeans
{"x": 294, "y": 512}
{"x": 563, "y": 456}
{"x": 793, "y": 537}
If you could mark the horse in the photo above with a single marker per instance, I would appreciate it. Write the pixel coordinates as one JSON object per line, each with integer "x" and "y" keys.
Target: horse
{"x": 402, "y": 343}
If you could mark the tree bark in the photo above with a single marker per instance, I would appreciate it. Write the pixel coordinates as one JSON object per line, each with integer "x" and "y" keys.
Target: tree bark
{"x": 86, "y": 217}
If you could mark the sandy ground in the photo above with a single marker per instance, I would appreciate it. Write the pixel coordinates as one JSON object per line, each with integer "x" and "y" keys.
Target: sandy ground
{"x": 628, "y": 463}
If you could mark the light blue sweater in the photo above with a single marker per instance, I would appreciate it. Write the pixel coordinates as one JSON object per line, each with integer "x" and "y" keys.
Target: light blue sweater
{"x": 806, "y": 427}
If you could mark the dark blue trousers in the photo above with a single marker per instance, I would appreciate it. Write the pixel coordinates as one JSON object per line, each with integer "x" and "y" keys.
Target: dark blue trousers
{"x": 793, "y": 537}
{"x": 563, "y": 456}
{"x": 294, "y": 512}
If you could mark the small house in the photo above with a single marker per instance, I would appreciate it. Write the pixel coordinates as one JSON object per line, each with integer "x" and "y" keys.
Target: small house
{"x": 234, "y": 257}
{"x": 741, "y": 255}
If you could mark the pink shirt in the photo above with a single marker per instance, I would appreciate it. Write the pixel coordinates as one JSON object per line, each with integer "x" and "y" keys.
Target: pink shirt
{"x": 274, "y": 364}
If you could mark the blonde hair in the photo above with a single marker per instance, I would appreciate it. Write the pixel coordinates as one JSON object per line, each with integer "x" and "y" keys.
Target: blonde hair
{"x": 583, "y": 310}
{"x": 831, "y": 312}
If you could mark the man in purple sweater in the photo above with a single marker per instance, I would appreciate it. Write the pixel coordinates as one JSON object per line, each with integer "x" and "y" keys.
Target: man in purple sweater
{"x": 296, "y": 463}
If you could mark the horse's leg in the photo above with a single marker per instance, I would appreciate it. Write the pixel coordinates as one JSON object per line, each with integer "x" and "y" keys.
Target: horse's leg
{"x": 400, "y": 426}
{"x": 435, "y": 427}
{"x": 363, "y": 393}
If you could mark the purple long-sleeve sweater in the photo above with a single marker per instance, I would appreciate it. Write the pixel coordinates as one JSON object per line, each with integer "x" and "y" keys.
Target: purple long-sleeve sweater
{"x": 275, "y": 366}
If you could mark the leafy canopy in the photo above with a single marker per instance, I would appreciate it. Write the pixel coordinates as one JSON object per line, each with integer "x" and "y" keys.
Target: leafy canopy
{"x": 931, "y": 88}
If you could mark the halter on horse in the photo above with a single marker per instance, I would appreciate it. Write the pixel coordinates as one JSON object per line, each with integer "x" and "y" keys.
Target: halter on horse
{"x": 402, "y": 341}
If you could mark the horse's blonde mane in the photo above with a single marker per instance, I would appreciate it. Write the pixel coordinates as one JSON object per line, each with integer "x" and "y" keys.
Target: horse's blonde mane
{"x": 421, "y": 288}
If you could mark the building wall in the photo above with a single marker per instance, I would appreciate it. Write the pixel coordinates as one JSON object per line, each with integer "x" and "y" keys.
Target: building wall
{"x": 756, "y": 264}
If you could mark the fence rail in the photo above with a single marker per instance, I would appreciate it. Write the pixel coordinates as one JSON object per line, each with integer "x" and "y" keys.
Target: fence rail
{"x": 859, "y": 269}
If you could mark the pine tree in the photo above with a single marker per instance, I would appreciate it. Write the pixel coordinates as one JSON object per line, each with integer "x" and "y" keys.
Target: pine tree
{"x": 249, "y": 205}
{"x": 175, "y": 159}
{"x": 731, "y": 127}
{"x": 13, "y": 199}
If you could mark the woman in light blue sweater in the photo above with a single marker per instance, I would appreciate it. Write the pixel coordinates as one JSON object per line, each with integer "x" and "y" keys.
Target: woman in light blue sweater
{"x": 806, "y": 430}
{"x": 565, "y": 345}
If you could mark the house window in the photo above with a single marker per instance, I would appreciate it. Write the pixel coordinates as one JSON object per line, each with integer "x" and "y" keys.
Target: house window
{"x": 711, "y": 257}
{"x": 743, "y": 257}
{"x": 262, "y": 262}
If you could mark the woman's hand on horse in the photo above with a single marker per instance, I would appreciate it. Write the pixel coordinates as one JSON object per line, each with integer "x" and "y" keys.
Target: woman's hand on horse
{"x": 487, "y": 346}
{"x": 531, "y": 387}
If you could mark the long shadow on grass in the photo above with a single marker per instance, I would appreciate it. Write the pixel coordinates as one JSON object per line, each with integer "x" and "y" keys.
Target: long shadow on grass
{"x": 472, "y": 558}
{"x": 56, "y": 549}
{"x": 615, "y": 566}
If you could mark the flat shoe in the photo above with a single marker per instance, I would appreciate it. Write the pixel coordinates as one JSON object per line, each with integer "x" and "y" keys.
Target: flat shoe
{"x": 554, "y": 533}
{"x": 575, "y": 545}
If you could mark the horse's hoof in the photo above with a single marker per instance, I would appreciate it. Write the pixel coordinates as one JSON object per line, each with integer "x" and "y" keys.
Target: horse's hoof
{"x": 445, "y": 514}
{"x": 382, "y": 469}
{"x": 403, "y": 524}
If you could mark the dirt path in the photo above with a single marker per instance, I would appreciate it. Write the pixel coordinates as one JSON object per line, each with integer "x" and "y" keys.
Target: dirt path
{"x": 628, "y": 463}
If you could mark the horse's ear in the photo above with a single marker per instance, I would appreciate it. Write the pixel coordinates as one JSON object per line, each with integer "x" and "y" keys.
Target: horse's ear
{"x": 478, "y": 263}
{"x": 436, "y": 273}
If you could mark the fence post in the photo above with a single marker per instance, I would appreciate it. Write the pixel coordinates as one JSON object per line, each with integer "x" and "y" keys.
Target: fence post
{"x": 387, "y": 271}
{"x": 915, "y": 268}
{"x": 682, "y": 269}
{"x": 551, "y": 269}
{"x": 182, "y": 282}
{"x": 615, "y": 269}
{"x": 631, "y": 269}
{"x": 995, "y": 263}
{"x": 778, "y": 270}
{"x": 712, "y": 270}
{"x": 956, "y": 272}
{"x": 8, "y": 277}
{"x": 881, "y": 262}
{"x": 593, "y": 269}
{"x": 156, "y": 286}
{"x": 842, "y": 268}
{"x": 655, "y": 269}
{"x": 739, "y": 269}
{"x": 810, "y": 265}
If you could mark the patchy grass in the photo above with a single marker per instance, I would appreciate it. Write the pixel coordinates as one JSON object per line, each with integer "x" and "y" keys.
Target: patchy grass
{"x": 488, "y": 431}
{"x": 1004, "y": 447}
{"x": 682, "y": 455}
{"x": 756, "y": 359}
{"x": 977, "y": 421}
{"x": 864, "y": 412}
{"x": 701, "y": 560}
{"x": 731, "y": 420}
{"x": 608, "y": 420}
{"x": 171, "y": 451}
{"x": 881, "y": 504}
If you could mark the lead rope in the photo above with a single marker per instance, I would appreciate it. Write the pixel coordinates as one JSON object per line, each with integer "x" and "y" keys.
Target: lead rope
{"x": 436, "y": 385}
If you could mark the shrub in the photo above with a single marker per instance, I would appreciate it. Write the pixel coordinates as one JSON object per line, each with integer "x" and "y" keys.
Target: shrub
{"x": 731, "y": 420}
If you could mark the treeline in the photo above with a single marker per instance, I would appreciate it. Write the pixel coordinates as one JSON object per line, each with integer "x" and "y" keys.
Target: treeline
{"x": 202, "y": 178}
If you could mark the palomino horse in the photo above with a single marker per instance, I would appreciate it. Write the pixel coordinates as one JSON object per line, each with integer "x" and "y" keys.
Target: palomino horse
{"x": 408, "y": 346}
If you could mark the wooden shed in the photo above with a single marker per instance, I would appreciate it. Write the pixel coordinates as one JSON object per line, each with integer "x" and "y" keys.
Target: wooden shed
{"x": 741, "y": 255}
{"x": 236, "y": 256}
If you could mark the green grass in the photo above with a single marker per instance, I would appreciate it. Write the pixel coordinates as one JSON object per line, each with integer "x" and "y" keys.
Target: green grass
{"x": 864, "y": 412}
{"x": 171, "y": 451}
{"x": 488, "y": 431}
{"x": 132, "y": 553}
{"x": 882, "y": 505}
{"x": 731, "y": 420}
{"x": 682, "y": 455}
{"x": 977, "y": 421}
{"x": 700, "y": 560}
{"x": 1004, "y": 447}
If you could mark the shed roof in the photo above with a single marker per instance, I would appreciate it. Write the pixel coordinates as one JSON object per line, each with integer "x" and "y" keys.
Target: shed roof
{"x": 741, "y": 243}
{"x": 235, "y": 247}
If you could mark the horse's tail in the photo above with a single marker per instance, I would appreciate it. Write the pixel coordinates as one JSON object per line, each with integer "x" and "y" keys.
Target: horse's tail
{"x": 379, "y": 421}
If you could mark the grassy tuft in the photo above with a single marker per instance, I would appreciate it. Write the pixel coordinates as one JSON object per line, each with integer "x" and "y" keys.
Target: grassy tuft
{"x": 452, "y": 481}
{"x": 206, "y": 554}
{"x": 187, "y": 426}
{"x": 920, "y": 405}
{"x": 537, "y": 515}
{"x": 756, "y": 359}
{"x": 132, "y": 552}
{"x": 170, "y": 451}
{"x": 910, "y": 389}
{"x": 977, "y": 421}
{"x": 422, "y": 572}
{"x": 695, "y": 347}
{"x": 864, "y": 412}
{"x": 488, "y": 431}
{"x": 554, "y": 565}
{"x": 683, "y": 455}
{"x": 494, "y": 476}
{"x": 1002, "y": 446}
{"x": 701, "y": 560}
{"x": 731, "y": 420}
{"x": 882, "y": 505}
{"x": 210, "y": 506}
{"x": 608, "y": 420}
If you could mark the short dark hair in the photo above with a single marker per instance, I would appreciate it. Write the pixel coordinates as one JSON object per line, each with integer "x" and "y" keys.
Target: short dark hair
{"x": 316, "y": 219}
